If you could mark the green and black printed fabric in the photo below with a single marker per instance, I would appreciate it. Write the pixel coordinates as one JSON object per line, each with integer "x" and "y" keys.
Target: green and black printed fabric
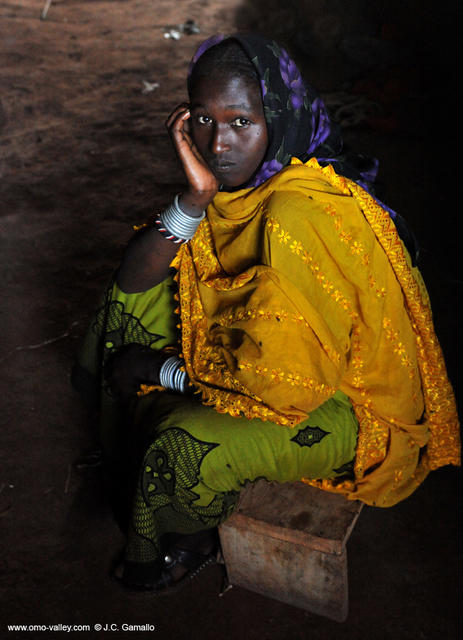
{"x": 184, "y": 463}
{"x": 147, "y": 319}
{"x": 197, "y": 461}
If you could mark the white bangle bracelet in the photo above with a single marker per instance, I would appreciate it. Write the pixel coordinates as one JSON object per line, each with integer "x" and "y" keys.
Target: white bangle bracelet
{"x": 176, "y": 225}
{"x": 171, "y": 376}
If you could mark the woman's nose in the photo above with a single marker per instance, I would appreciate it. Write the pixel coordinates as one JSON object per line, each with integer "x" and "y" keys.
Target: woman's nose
{"x": 219, "y": 141}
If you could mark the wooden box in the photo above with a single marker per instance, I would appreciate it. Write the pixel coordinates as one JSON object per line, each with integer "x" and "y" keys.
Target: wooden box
{"x": 288, "y": 542}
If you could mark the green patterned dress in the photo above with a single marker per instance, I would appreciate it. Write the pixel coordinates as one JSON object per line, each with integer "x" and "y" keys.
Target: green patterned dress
{"x": 175, "y": 465}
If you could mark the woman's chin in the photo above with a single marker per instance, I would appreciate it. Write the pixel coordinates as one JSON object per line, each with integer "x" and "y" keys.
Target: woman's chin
{"x": 227, "y": 179}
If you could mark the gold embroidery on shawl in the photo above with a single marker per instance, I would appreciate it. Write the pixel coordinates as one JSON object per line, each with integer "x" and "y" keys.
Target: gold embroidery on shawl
{"x": 376, "y": 435}
{"x": 399, "y": 347}
{"x": 296, "y": 247}
{"x": 211, "y": 369}
{"x": 443, "y": 446}
{"x": 356, "y": 248}
{"x": 294, "y": 379}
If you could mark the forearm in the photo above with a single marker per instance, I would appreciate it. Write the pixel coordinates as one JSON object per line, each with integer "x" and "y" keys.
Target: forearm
{"x": 148, "y": 255}
{"x": 147, "y": 258}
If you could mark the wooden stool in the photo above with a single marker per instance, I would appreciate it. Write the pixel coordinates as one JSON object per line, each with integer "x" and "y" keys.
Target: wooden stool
{"x": 288, "y": 542}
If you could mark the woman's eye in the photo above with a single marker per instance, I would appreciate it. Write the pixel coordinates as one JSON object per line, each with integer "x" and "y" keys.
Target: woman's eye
{"x": 241, "y": 122}
{"x": 204, "y": 119}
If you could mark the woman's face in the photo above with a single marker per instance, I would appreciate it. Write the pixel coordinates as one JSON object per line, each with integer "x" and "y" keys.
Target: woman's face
{"x": 228, "y": 127}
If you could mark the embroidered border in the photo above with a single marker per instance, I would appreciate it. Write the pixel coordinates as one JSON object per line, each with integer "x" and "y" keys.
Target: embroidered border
{"x": 444, "y": 445}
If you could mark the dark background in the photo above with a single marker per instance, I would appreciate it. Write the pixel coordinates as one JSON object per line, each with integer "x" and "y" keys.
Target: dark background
{"x": 83, "y": 156}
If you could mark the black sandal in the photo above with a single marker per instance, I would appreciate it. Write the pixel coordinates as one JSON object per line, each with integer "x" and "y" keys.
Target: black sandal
{"x": 193, "y": 561}
{"x": 158, "y": 579}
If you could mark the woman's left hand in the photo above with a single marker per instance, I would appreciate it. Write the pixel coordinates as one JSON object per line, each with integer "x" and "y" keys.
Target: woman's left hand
{"x": 131, "y": 366}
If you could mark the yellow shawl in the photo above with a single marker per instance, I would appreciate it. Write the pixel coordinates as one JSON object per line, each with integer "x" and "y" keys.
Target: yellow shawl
{"x": 299, "y": 287}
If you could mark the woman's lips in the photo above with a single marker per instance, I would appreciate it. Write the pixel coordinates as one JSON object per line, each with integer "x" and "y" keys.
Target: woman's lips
{"x": 223, "y": 166}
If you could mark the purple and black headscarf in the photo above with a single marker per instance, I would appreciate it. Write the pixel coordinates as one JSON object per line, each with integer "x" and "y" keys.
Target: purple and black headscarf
{"x": 297, "y": 121}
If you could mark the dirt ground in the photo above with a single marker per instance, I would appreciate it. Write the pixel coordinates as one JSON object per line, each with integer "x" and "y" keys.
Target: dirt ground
{"x": 83, "y": 156}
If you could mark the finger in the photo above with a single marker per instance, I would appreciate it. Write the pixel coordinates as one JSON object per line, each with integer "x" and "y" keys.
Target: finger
{"x": 181, "y": 108}
{"x": 181, "y": 137}
{"x": 187, "y": 124}
{"x": 178, "y": 124}
{"x": 178, "y": 108}
{"x": 180, "y": 132}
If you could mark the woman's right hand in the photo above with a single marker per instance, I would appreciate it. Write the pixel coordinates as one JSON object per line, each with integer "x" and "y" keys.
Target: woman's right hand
{"x": 202, "y": 184}
{"x": 148, "y": 256}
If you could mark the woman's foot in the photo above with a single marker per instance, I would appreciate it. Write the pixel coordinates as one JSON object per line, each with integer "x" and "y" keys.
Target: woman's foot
{"x": 185, "y": 558}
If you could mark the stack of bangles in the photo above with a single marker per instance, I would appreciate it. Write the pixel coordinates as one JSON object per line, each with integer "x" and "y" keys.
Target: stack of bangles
{"x": 171, "y": 375}
{"x": 176, "y": 225}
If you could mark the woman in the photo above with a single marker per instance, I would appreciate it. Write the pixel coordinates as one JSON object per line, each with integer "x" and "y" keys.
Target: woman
{"x": 306, "y": 347}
